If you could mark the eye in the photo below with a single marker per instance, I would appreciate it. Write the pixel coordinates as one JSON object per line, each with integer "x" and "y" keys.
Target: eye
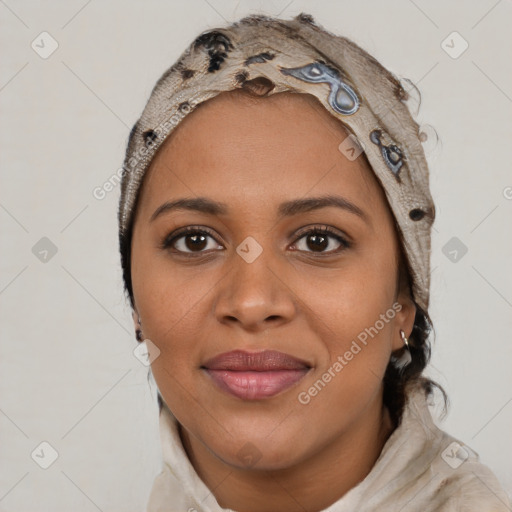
{"x": 319, "y": 238}
{"x": 194, "y": 239}
{"x": 189, "y": 240}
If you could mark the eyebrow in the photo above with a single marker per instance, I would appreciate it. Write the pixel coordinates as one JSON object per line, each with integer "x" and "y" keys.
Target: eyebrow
{"x": 286, "y": 209}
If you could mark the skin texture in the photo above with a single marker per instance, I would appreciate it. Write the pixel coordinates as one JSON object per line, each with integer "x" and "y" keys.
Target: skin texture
{"x": 298, "y": 297}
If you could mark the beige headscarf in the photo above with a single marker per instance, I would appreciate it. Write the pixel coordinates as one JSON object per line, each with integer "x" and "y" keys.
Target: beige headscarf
{"x": 299, "y": 56}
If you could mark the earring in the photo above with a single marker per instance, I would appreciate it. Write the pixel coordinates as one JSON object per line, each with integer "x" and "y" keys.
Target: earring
{"x": 138, "y": 333}
{"x": 405, "y": 359}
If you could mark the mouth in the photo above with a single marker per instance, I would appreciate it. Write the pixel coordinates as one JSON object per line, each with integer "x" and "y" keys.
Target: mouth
{"x": 255, "y": 375}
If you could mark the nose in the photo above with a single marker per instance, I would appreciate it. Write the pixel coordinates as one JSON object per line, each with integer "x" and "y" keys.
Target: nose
{"x": 255, "y": 295}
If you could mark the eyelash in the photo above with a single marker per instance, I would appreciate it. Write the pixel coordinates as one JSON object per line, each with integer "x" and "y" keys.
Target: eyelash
{"x": 169, "y": 240}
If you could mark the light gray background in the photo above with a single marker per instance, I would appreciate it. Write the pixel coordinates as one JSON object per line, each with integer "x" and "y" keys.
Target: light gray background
{"x": 68, "y": 375}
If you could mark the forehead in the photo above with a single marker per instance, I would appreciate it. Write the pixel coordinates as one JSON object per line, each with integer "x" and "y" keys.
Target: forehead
{"x": 281, "y": 116}
{"x": 286, "y": 144}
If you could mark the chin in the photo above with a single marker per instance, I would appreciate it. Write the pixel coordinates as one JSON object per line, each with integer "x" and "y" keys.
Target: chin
{"x": 254, "y": 448}
{"x": 249, "y": 457}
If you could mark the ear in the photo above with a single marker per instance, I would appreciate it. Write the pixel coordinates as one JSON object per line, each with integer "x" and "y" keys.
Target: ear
{"x": 404, "y": 319}
{"x": 137, "y": 326}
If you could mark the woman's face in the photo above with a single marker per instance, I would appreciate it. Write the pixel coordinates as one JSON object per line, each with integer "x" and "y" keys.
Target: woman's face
{"x": 258, "y": 281}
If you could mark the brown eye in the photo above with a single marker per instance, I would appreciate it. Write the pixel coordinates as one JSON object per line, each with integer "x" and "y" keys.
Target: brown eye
{"x": 190, "y": 240}
{"x": 194, "y": 242}
{"x": 319, "y": 239}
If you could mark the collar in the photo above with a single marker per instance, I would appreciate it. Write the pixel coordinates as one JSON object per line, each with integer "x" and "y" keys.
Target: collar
{"x": 420, "y": 468}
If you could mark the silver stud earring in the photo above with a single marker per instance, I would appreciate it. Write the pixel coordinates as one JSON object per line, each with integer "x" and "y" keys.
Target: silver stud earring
{"x": 405, "y": 359}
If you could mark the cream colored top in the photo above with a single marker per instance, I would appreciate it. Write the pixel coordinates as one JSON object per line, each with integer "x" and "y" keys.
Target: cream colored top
{"x": 420, "y": 469}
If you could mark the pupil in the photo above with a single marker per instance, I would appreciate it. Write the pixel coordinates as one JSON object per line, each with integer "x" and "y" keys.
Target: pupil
{"x": 318, "y": 241}
{"x": 195, "y": 239}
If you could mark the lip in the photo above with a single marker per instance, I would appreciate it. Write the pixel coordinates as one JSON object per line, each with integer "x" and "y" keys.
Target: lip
{"x": 255, "y": 375}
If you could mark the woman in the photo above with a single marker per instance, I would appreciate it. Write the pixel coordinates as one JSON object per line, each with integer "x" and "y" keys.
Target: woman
{"x": 275, "y": 221}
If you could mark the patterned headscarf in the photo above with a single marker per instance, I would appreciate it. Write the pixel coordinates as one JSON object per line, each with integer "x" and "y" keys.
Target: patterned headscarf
{"x": 298, "y": 55}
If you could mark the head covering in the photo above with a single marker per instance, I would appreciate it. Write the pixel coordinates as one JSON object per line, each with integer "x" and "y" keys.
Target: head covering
{"x": 299, "y": 56}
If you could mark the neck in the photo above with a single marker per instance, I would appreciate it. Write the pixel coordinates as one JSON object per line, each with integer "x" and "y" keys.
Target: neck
{"x": 312, "y": 485}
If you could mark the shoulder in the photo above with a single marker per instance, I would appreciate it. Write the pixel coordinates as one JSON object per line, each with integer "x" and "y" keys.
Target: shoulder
{"x": 443, "y": 474}
{"x": 464, "y": 484}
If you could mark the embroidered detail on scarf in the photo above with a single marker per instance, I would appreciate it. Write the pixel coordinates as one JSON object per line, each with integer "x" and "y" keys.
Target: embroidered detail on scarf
{"x": 342, "y": 98}
{"x": 392, "y": 154}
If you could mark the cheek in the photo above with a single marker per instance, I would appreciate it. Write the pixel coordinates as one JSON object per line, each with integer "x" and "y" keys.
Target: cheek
{"x": 165, "y": 292}
{"x": 172, "y": 307}
{"x": 353, "y": 315}
{"x": 174, "y": 302}
{"x": 352, "y": 296}
{"x": 356, "y": 331}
